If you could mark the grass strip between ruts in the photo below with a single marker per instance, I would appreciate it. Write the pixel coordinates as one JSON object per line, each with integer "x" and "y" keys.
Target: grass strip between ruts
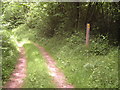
{"x": 37, "y": 72}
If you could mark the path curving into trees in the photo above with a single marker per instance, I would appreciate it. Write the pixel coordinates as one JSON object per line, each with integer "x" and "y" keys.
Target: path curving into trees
{"x": 58, "y": 77}
{"x": 18, "y": 75}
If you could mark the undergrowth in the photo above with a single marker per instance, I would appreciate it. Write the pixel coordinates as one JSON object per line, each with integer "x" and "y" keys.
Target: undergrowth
{"x": 93, "y": 67}
{"x": 9, "y": 57}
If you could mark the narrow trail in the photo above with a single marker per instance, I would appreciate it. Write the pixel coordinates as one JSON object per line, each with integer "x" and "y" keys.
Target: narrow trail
{"x": 58, "y": 77}
{"x": 18, "y": 75}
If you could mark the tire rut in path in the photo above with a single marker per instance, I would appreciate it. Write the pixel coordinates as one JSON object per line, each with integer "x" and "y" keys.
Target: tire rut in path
{"x": 58, "y": 77}
{"x": 19, "y": 73}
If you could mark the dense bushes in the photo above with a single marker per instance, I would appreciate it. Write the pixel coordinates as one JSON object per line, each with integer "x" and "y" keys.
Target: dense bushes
{"x": 9, "y": 57}
{"x": 99, "y": 45}
{"x": 13, "y": 14}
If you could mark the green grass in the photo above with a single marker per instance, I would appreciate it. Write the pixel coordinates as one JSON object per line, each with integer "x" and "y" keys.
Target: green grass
{"x": 95, "y": 67}
{"x": 37, "y": 72}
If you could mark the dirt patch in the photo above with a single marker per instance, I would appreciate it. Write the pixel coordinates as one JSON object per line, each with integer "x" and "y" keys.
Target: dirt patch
{"x": 58, "y": 77}
{"x": 18, "y": 75}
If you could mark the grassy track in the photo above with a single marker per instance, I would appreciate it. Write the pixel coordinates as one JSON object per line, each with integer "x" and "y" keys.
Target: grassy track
{"x": 37, "y": 73}
{"x": 82, "y": 68}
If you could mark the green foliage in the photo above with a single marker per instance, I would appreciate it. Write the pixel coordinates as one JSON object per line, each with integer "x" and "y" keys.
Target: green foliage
{"x": 37, "y": 72}
{"x": 99, "y": 46}
{"x": 85, "y": 67}
{"x": 24, "y": 32}
{"x": 9, "y": 57}
{"x": 14, "y": 15}
{"x": 60, "y": 27}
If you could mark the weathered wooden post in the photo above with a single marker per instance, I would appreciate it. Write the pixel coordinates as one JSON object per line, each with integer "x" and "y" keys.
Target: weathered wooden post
{"x": 87, "y": 34}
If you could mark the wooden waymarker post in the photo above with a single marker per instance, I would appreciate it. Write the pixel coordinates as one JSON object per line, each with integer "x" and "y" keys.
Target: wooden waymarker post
{"x": 87, "y": 34}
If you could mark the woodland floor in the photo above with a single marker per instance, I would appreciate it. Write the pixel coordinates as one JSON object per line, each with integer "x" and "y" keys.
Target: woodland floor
{"x": 17, "y": 78}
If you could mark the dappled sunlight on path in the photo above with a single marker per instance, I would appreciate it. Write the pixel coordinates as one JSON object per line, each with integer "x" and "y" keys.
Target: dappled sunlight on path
{"x": 58, "y": 77}
{"x": 21, "y": 43}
